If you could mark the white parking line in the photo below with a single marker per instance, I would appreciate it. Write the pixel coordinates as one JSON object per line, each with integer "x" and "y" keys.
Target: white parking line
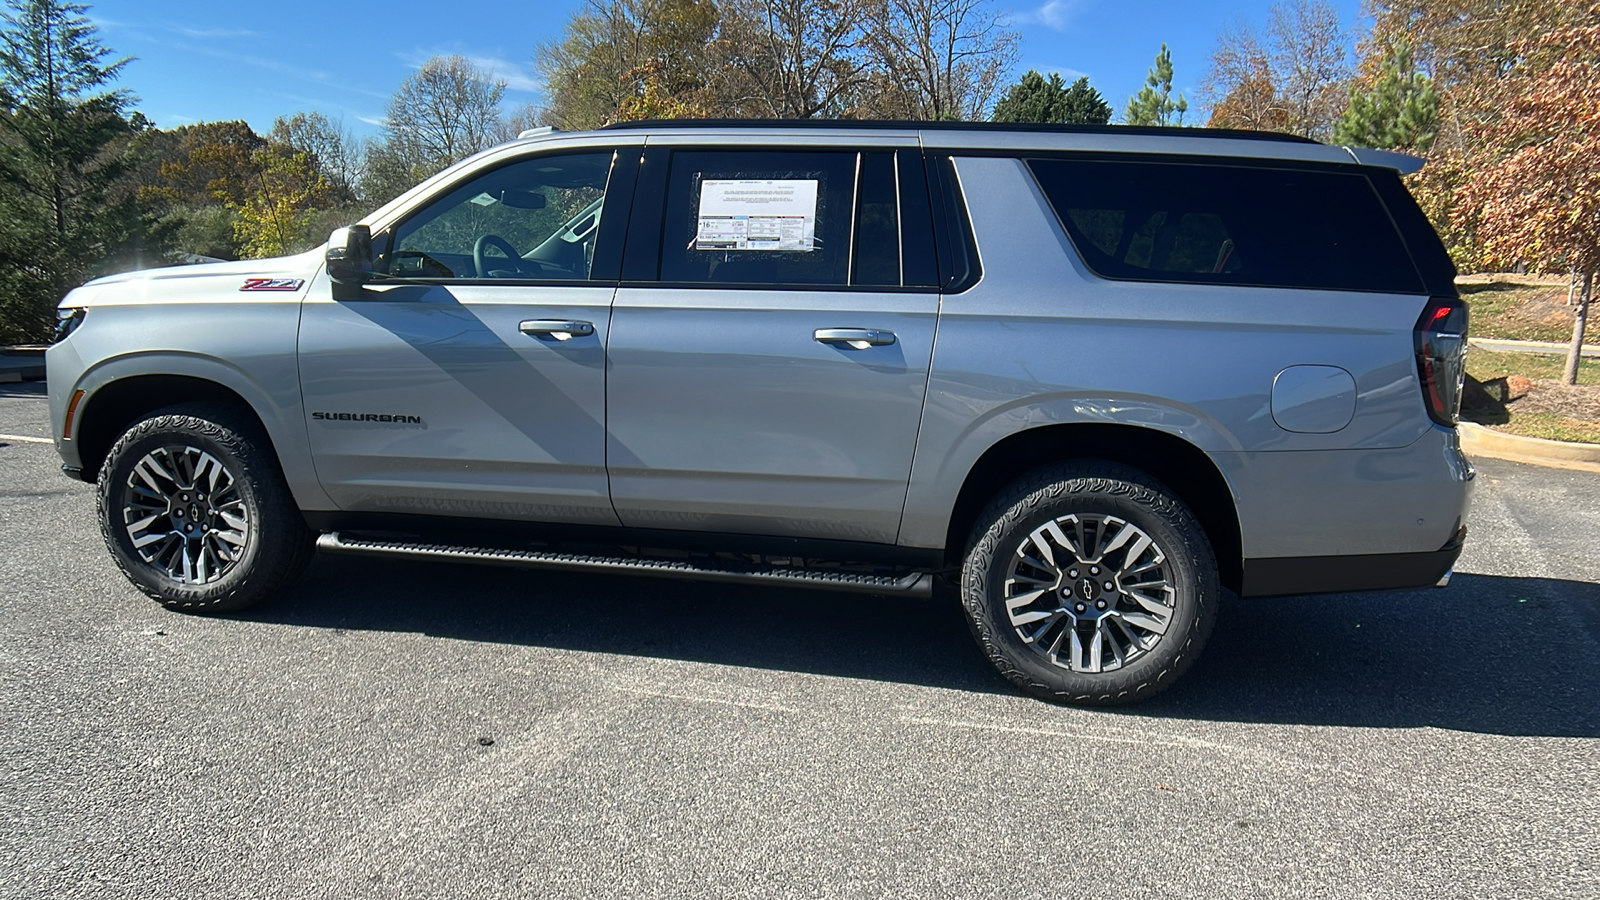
{"x": 25, "y": 439}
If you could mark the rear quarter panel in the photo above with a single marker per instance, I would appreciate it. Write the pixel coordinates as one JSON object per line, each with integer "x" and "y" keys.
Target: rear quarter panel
{"x": 1040, "y": 340}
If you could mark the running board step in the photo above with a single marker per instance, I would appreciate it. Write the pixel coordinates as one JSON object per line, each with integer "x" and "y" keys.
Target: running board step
{"x": 911, "y": 584}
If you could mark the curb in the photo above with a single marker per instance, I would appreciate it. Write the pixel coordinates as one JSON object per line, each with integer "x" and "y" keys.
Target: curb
{"x": 1480, "y": 440}
{"x": 1505, "y": 345}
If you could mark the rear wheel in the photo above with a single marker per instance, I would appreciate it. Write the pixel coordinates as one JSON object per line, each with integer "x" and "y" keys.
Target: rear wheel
{"x": 1090, "y": 584}
{"x": 196, "y": 512}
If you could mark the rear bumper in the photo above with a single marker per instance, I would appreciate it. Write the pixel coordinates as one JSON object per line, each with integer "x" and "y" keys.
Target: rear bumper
{"x": 1344, "y": 574}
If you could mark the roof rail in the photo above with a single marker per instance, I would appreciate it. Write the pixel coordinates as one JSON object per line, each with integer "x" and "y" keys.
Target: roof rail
{"x": 541, "y": 131}
{"x": 912, "y": 125}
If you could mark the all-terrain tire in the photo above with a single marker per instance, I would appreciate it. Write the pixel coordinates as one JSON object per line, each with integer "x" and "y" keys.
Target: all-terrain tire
{"x": 1101, "y": 493}
{"x": 277, "y": 544}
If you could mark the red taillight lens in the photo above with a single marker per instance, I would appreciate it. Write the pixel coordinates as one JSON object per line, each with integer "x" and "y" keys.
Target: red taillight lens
{"x": 1441, "y": 341}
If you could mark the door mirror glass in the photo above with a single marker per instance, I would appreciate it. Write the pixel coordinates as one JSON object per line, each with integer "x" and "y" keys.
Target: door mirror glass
{"x": 349, "y": 255}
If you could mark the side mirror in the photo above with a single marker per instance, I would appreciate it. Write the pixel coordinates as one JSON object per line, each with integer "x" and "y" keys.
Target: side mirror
{"x": 350, "y": 255}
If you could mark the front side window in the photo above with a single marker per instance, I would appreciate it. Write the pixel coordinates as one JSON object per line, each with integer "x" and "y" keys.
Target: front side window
{"x": 1228, "y": 224}
{"x": 536, "y": 219}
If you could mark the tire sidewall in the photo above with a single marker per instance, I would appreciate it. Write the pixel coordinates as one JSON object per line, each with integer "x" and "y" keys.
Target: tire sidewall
{"x": 1144, "y": 505}
{"x": 173, "y": 430}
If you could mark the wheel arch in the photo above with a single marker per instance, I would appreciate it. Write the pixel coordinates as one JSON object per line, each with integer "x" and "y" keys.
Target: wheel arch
{"x": 112, "y": 407}
{"x": 1176, "y": 463}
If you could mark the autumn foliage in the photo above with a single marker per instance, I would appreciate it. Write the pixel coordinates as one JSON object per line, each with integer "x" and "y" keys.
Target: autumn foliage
{"x": 1539, "y": 203}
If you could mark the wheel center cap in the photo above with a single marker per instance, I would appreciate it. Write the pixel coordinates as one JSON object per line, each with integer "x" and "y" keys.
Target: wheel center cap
{"x": 1085, "y": 589}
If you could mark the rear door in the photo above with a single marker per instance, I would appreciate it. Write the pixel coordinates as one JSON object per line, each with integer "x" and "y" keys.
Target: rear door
{"x": 472, "y": 383}
{"x": 770, "y": 343}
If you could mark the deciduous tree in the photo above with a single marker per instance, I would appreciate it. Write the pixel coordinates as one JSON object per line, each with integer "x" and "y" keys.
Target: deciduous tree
{"x": 1539, "y": 202}
{"x": 444, "y": 112}
{"x": 275, "y": 213}
{"x": 945, "y": 57}
{"x": 793, "y": 59}
{"x": 1294, "y": 79}
{"x": 656, "y": 54}
{"x": 1310, "y": 61}
{"x": 332, "y": 149}
{"x": 1241, "y": 86}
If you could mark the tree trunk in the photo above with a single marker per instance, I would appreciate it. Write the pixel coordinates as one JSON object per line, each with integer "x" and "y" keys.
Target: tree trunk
{"x": 1572, "y": 285}
{"x": 1575, "y": 352}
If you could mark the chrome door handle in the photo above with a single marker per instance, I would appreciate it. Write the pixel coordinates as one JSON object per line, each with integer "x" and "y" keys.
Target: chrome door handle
{"x": 560, "y": 329}
{"x": 858, "y": 338}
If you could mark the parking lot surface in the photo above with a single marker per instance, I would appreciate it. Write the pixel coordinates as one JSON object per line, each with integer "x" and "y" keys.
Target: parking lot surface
{"x": 432, "y": 730}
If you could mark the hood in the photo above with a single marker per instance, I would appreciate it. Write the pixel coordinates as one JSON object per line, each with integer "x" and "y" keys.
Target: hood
{"x": 282, "y": 277}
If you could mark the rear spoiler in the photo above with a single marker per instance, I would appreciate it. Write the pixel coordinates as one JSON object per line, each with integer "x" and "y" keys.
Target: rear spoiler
{"x": 1404, "y": 163}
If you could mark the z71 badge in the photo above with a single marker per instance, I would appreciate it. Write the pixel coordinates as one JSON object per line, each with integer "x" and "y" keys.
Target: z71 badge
{"x": 272, "y": 284}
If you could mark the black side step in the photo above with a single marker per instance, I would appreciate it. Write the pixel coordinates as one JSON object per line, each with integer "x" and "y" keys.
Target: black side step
{"x": 910, "y": 584}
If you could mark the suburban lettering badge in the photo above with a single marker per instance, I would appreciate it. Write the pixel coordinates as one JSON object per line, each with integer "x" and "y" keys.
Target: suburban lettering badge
{"x": 366, "y": 417}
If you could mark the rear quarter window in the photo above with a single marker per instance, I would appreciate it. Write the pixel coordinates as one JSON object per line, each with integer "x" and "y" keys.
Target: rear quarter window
{"x": 1205, "y": 223}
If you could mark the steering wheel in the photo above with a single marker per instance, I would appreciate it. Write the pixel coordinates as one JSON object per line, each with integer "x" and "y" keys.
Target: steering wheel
{"x": 482, "y": 264}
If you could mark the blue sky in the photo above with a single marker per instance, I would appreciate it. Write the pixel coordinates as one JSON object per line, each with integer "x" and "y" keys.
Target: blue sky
{"x": 207, "y": 61}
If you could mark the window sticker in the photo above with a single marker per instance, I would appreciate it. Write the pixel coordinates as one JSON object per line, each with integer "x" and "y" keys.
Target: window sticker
{"x": 755, "y": 214}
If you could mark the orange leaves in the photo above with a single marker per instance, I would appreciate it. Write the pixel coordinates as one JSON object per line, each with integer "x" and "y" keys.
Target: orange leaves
{"x": 1536, "y": 199}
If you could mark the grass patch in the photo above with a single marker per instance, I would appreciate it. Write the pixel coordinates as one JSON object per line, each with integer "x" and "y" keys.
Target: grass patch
{"x": 1549, "y": 410}
{"x": 1521, "y": 311}
{"x": 1553, "y": 427}
{"x": 1486, "y": 365}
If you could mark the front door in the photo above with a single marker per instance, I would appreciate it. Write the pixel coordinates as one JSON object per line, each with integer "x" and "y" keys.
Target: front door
{"x": 471, "y": 382}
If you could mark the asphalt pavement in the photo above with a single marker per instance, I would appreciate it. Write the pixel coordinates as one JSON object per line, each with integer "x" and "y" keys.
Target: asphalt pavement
{"x": 415, "y": 729}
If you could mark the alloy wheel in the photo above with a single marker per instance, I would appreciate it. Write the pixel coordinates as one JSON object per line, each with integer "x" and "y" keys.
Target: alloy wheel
{"x": 184, "y": 514}
{"x": 1090, "y": 592}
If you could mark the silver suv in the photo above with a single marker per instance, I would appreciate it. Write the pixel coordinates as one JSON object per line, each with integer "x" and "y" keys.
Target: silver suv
{"x": 1089, "y": 377}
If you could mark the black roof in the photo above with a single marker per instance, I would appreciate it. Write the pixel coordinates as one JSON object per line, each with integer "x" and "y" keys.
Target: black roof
{"x": 912, "y": 125}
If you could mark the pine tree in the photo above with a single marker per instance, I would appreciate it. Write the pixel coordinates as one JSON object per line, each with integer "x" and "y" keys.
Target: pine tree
{"x": 1083, "y": 105}
{"x": 1153, "y": 105}
{"x": 1033, "y": 99}
{"x": 60, "y": 132}
{"x": 1400, "y": 111}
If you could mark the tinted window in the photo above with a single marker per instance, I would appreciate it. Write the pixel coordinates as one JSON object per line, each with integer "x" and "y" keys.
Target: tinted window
{"x": 535, "y": 219}
{"x": 1245, "y": 225}
{"x": 877, "y": 250}
{"x": 781, "y": 217}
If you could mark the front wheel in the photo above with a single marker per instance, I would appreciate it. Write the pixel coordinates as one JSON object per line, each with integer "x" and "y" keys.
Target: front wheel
{"x": 196, "y": 512}
{"x": 1090, "y": 584}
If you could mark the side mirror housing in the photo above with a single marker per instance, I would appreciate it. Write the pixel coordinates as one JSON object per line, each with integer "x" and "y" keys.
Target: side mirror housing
{"x": 349, "y": 255}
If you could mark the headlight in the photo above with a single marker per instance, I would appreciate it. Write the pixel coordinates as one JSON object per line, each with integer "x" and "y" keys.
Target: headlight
{"x": 67, "y": 321}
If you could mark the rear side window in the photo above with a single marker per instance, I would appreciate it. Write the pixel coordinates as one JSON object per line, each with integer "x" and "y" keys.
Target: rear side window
{"x": 1221, "y": 224}
{"x": 778, "y": 217}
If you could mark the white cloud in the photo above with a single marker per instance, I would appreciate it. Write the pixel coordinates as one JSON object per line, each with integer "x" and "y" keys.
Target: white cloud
{"x": 1068, "y": 75}
{"x": 512, "y": 74}
{"x": 1054, "y": 14}
{"x": 206, "y": 34}
{"x": 515, "y": 76}
{"x": 379, "y": 121}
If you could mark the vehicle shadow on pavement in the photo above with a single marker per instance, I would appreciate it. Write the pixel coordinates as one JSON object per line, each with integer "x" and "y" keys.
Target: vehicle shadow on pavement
{"x": 1491, "y": 654}
{"x": 906, "y": 640}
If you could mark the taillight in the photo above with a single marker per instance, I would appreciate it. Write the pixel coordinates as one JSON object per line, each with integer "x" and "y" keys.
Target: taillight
{"x": 1441, "y": 339}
